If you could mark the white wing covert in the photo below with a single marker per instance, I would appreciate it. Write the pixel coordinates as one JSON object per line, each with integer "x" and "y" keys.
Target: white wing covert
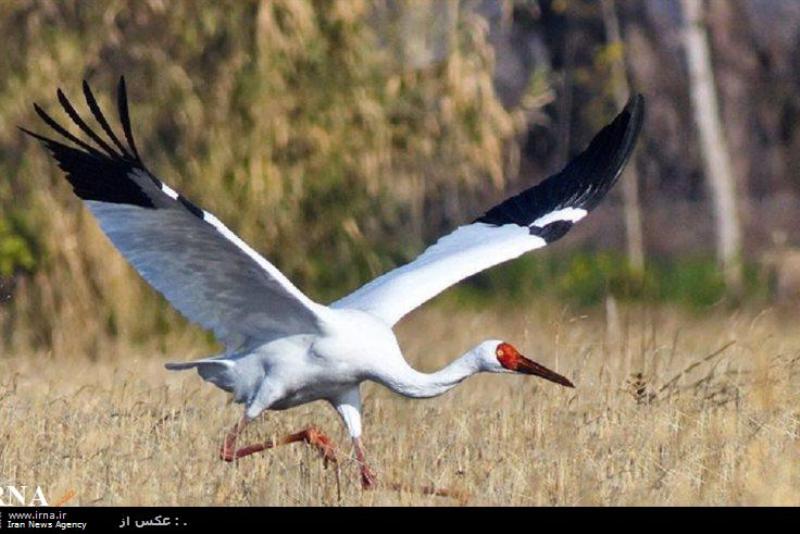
{"x": 530, "y": 220}
{"x": 206, "y": 272}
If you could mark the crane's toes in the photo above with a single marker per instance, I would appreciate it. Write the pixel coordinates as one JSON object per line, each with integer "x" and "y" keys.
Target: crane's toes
{"x": 329, "y": 456}
{"x": 368, "y": 478}
{"x": 324, "y": 444}
{"x": 226, "y": 454}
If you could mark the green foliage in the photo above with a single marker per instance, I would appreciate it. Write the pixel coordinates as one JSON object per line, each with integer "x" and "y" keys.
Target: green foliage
{"x": 16, "y": 248}
{"x": 585, "y": 279}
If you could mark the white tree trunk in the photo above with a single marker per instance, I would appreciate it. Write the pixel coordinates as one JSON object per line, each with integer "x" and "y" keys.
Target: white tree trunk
{"x": 630, "y": 183}
{"x": 712, "y": 139}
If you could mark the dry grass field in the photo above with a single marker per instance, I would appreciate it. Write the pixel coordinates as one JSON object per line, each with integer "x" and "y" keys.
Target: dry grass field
{"x": 669, "y": 409}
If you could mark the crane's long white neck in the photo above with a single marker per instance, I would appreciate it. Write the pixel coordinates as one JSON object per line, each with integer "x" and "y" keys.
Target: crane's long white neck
{"x": 411, "y": 383}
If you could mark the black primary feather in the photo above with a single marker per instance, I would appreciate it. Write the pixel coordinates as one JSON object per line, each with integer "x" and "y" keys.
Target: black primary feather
{"x": 70, "y": 110}
{"x": 124, "y": 116}
{"x": 581, "y": 184}
{"x": 107, "y": 175}
{"x": 553, "y": 231}
{"x": 98, "y": 178}
{"x": 98, "y": 115}
{"x": 63, "y": 131}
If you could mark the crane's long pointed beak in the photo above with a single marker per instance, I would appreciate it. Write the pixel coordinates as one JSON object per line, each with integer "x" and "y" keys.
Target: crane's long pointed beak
{"x": 530, "y": 367}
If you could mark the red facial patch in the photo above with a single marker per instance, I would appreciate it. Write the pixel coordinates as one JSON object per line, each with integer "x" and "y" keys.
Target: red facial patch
{"x": 507, "y": 356}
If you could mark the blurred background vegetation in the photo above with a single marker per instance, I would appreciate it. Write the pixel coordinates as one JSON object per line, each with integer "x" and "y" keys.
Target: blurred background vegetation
{"x": 340, "y": 137}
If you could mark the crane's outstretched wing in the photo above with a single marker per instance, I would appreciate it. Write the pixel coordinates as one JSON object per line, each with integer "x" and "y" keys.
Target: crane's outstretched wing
{"x": 206, "y": 272}
{"x": 530, "y": 220}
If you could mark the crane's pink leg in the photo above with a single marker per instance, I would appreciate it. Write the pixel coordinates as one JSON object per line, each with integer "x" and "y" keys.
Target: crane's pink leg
{"x": 368, "y": 478}
{"x": 310, "y": 435}
{"x": 228, "y": 450}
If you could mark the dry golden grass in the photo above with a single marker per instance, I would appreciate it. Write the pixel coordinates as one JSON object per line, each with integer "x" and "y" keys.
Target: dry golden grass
{"x": 660, "y": 415}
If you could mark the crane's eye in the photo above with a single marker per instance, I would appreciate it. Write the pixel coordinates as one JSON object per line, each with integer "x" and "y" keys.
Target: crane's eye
{"x": 500, "y": 352}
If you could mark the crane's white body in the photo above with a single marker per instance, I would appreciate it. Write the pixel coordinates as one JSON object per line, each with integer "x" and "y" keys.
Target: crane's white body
{"x": 295, "y": 370}
{"x": 354, "y": 346}
{"x": 281, "y": 348}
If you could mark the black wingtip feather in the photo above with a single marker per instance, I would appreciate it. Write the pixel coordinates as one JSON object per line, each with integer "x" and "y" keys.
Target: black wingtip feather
{"x": 95, "y": 175}
{"x": 63, "y": 131}
{"x": 124, "y": 116}
{"x": 36, "y": 136}
{"x": 73, "y": 114}
{"x": 94, "y": 107}
{"x": 96, "y": 178}
{"x": 583, "y": 182}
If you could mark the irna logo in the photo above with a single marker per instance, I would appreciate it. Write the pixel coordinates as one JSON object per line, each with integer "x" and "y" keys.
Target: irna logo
{"x": 22, "y": 496}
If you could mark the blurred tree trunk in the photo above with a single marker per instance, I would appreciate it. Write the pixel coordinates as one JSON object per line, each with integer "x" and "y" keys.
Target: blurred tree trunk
{"x": 425, "y": 33}
{"x": 630, "y": 184}
{"x": 422, "y": 36}
{"x": 715, "y": 154}
{"x": 741, "y": 86}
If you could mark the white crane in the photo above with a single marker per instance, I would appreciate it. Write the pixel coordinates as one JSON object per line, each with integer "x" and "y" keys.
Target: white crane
{"x": 281, "y": 348}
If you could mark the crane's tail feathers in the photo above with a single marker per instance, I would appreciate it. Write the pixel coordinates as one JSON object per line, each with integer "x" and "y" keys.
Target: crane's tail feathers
{"x": 218, "y": 371}
{"x": 182, "y": 366}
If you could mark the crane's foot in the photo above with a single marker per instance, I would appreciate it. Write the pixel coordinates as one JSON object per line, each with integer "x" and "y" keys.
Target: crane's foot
{"x": 368, "y": 478}
{"x": 227, "y": 452}
{"x": 312, "y": 436}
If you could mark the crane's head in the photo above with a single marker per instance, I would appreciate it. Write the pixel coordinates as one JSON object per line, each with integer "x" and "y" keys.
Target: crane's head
{"x": 501, "y": 357}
